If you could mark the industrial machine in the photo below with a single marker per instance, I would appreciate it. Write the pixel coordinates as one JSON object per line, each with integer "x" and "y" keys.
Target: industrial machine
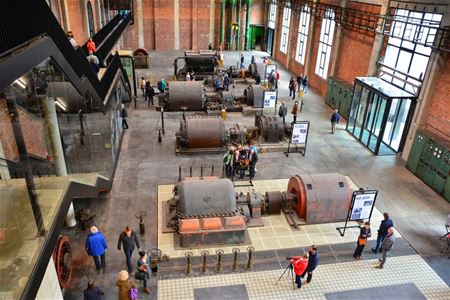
{"x": 201, "y": 134}
{"x": 191, "y": 95}
{"x": 201, "y": 62}
{"x": 207, "y": 134}
{"x": 208, "y": 211}
{"x": 188, "y": 95}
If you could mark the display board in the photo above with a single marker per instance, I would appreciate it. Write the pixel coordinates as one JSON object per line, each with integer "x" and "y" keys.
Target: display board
{"x": 361, "y": 208}
{"x": 299, "y": 133}
{"x": 363, "y": 205}
{"x": 270, "y": 99}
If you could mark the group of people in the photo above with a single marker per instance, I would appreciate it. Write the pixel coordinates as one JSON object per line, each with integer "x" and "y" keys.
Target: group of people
{"x": 273, "y": 79}
{"x": 305, "y": 265}
{"x": 385, "y": 239}
{"x": 190, "y": 76}
{"x": 298, "y": 86}
{"x": 91, "y": 47}
{"x": 147, "y": 90}
{"x": 240, "y": 160}
{"x": 96, "y": 246}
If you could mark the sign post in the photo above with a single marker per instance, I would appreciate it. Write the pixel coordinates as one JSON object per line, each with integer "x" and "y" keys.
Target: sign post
{"x": 270, "y": 100}
{"x": 299, "y": 136}
{"x": 361, "y": 207}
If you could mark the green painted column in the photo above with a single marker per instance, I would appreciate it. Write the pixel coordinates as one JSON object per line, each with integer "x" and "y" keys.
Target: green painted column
{"x": 247, "y": 25}
{"x": 230, "y": 24}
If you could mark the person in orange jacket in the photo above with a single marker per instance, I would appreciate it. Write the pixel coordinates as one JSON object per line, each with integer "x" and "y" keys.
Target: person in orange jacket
{"x": 91, "y": 46}
{"x": 299, "y": 263}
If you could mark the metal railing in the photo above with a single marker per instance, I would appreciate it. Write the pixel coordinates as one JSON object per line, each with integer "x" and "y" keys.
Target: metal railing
{"x": 437, "y": 37}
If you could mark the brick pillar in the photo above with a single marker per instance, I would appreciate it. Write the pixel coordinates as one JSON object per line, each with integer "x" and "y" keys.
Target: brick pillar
{"x": 337, "y": 43}
{"x": 378, "y": 42}
{"x": 176, "y": 24}
{"x": 140, "y": 24}
{"x": 194, "y": 33}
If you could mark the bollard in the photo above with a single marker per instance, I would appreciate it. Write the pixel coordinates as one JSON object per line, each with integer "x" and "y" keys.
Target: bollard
{"x": 235, "y": 259}
{"x": 219, "y": 266}
{"x": 140, "y": 215}
{"x": 212, "y": 170}
{"x": 188, "y": 263}
{"x": 179, "y": 173}
{"x": 159, "y": 136}
{"x": 201, "y": 171}
{"x": 190, "y": 171}
{"x": 250, "y": 250}
{"x": 223, "y": 171}
{"x": 204, "y": 263}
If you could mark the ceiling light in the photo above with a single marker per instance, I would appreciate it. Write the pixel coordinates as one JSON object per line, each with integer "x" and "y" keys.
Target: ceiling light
{"x": 20, "y": 83}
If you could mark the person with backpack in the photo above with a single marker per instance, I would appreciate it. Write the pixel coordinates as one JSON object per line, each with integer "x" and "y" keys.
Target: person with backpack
{"x": 127, "y": 287}
{"x": 228, "y": 163}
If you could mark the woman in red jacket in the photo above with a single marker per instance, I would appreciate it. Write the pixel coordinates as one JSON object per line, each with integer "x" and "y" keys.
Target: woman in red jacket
{"x": 299, "y": 263}
{"x": 91, "y": 46}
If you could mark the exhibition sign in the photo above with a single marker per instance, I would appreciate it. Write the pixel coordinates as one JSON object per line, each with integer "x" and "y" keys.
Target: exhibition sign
{"x": 270, "y": 99}
{"x": 361, "y": 207}
{"x": 299, "y": 137}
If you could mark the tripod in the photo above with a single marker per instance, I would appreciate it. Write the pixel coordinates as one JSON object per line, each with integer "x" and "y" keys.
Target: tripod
{"x": 291, "y": 273}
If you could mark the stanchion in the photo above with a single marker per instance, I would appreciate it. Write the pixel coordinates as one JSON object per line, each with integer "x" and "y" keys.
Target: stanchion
{"x": 250, "y": 250}
{"x": 201, "y": 171}
{"x": 212, "y": 170}
{"x": 204, "y": 262}
{"x": 188, "y": 263}
{"x": 235, "y": 259}
{"x": 219, "y": 266}
{"x": 223, "y": 171}
{"x": 179, "y": 173}
{"x": 190, "y": 171}
{"x": 140, "y": 215}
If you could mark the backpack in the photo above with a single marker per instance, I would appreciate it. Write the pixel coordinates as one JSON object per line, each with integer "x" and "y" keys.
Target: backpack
{"x": 133, "y": 293}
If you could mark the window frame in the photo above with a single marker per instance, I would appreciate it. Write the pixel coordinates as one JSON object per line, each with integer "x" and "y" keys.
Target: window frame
{"x": 303, "y": 31}
{"x": 285, "y": 28}
{"x": 325, "y": 44}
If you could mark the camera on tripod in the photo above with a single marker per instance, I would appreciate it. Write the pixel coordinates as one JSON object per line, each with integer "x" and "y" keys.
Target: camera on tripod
{"x": 288, "y": 257}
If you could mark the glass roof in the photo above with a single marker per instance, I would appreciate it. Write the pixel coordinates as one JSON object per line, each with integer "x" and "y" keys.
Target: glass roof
{"x": 384, "y": 88}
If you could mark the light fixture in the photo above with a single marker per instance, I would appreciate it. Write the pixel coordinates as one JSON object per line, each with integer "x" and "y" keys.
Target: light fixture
{"x": 20, "y": 83}
{"x": 60, "y": 104}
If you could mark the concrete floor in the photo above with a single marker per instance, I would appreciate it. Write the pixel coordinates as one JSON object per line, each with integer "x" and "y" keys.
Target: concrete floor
{"x": 418, "y": 212}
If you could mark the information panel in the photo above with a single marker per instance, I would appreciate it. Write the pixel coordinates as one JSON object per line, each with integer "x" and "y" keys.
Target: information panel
{"x": 270, "y": 99}
{"x": 299, "y": 133}
{"x": 363, "y": 205}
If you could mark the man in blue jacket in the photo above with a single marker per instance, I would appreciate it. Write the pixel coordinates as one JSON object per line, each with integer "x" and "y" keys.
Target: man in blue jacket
{"x": 95, "y": 247}
{"x": 334, "y": 120}
{"x": 383, "y": 231}
{"x": 313, "y": 261}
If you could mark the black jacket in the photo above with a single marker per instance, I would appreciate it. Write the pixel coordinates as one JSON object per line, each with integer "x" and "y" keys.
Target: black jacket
{"x": 94, "y": 293}
{"x": 313, "y": 261}
{"x": 128, "y": 242}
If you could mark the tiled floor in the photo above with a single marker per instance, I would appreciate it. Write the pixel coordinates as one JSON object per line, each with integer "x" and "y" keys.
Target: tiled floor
{"x": 327, "y": 279}
{"x": 276, "y": 232}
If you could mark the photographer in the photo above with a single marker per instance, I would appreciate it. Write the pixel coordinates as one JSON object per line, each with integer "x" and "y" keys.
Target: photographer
{"x": 299, "y": 263}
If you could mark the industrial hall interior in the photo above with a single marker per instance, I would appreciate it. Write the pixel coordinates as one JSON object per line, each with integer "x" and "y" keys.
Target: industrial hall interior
{"x": 224, "y": 149}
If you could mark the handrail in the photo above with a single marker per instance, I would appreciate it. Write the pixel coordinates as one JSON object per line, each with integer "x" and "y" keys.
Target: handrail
{"x": 22, "y": 21}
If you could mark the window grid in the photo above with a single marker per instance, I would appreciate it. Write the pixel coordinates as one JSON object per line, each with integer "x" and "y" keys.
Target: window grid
{"x": 302, "y": 40}
{"x": 285, "y": 29}
{"x": 403, "y": 53}
{"x": 325, "y": 43}
{"x": 272, "y": 16}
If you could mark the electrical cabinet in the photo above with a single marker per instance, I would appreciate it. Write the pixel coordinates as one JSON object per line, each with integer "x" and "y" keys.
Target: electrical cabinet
{"x": 416, "y": 151}
{"x": 339, "y": 96}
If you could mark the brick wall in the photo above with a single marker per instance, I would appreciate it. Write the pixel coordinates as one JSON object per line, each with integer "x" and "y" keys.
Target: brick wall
{"x": 436, "y": 117}
{"x": 76, "y": 20}
{"x": 257, "y": 12}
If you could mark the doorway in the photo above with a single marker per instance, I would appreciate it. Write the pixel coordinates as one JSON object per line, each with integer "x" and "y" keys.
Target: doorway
{"x": 380, "y": 115}
{"x": 270, "y": 36}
